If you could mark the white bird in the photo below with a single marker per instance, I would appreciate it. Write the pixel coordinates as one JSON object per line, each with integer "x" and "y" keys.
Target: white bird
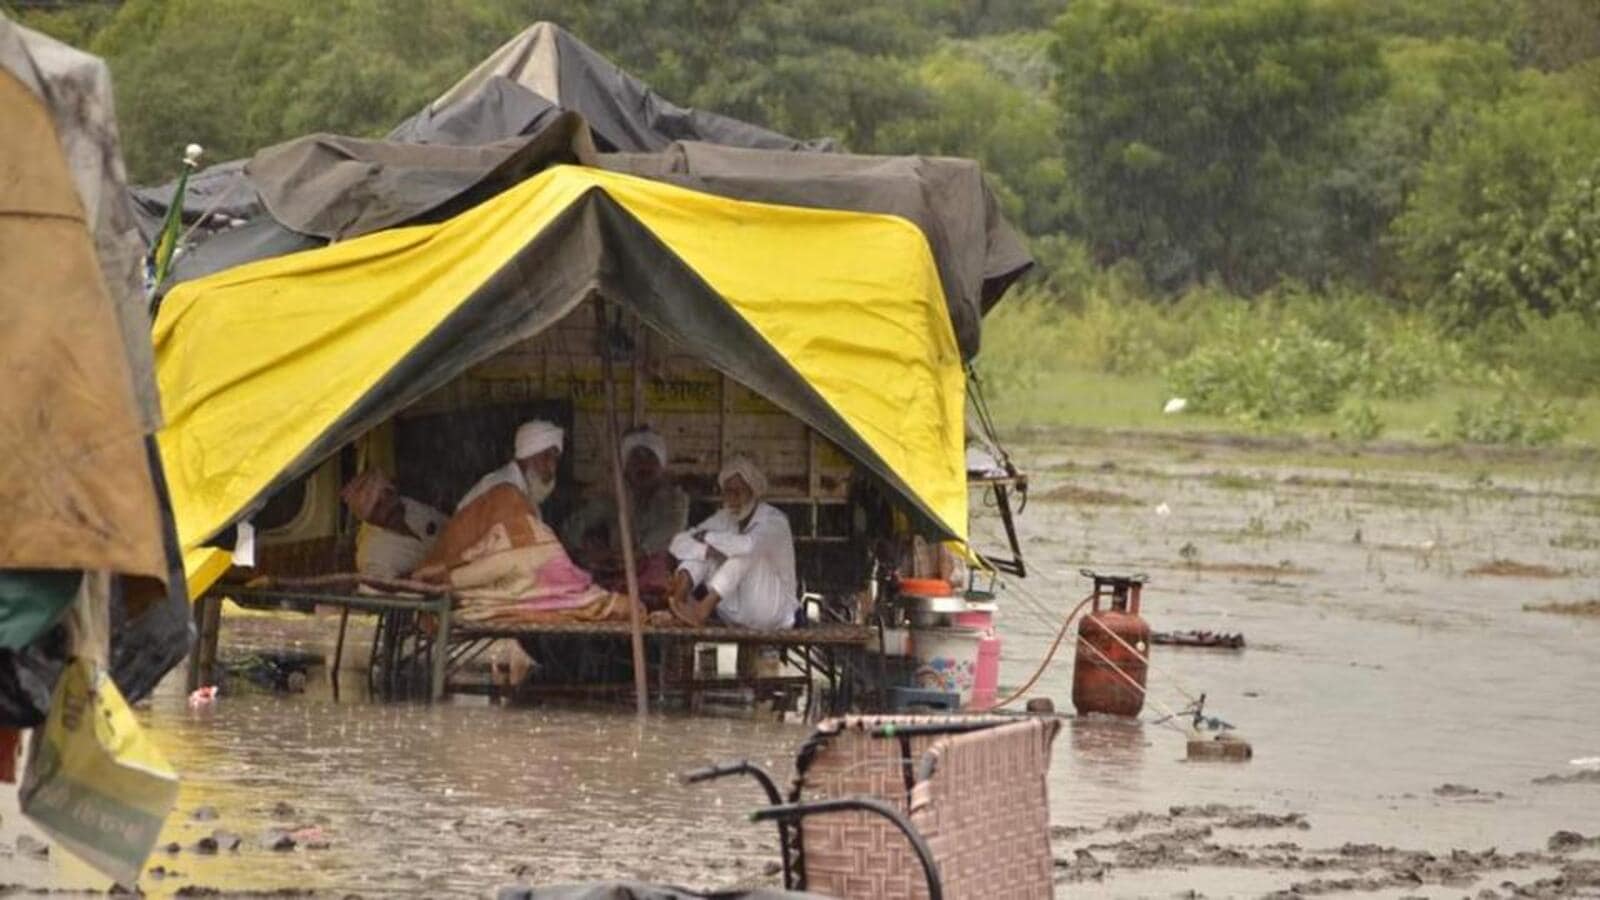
{"x": 1176, "y": 405}
{"x": 1163, "y": 510}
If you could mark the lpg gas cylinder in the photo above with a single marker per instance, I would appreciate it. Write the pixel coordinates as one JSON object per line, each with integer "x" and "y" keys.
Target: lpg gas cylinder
{"x": 1113, "y": 649}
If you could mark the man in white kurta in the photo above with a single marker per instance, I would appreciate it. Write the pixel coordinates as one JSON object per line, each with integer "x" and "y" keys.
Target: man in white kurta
{"x": 532, "y": 469}
{"x": 739, "y": 564}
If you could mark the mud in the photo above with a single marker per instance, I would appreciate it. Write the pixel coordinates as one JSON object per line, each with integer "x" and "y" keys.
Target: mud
{"x": 1377, "y": 671}
{"x": 1074, "y": 494}
{"x": 1584, "y": 776}
{"x": 1585, "y": 608}
{"x": 1186, "y": 839}
{"x": 1510, "y": 568}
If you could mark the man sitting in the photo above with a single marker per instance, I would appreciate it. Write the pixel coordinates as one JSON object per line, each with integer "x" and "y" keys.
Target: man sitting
{"x": 396, "y": 532}
{"x": 532, "y": 469}
{"x": 738, "y": 564}
{"x": 660, "y": 510}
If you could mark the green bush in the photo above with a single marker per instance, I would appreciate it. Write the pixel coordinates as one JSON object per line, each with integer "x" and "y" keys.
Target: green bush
{"x": 1358, "y": 421}
{"x": 1513, "y": 418}
{"x": 1259, "y": 379}
{"x": 1560, "y": 353}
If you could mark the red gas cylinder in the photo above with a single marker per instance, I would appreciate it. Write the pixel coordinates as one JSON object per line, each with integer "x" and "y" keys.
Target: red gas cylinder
{"x": 1113, "y": 649}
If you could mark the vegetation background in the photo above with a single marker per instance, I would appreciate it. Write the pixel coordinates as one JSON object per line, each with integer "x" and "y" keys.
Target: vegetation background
{"x": 1351, "y": 217}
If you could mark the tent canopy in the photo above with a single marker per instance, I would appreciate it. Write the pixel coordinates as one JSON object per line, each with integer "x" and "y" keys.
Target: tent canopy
{"x": 544, "y": 98}
{"x": 836, "y": 316}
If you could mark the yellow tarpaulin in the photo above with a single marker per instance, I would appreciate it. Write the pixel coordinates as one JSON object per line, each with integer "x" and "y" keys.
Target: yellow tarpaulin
{"x": 257, "y": 362}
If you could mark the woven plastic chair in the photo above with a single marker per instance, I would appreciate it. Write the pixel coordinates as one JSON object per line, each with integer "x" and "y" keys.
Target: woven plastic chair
{"x": 913, "y": 807}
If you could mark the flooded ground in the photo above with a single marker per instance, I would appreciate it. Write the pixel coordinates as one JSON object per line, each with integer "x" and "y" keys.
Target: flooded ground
{"x": 1414, "y": 726}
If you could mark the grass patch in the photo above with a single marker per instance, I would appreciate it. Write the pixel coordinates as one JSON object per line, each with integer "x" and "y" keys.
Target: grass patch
{"x": 1238, "y": 481}
{"x": 1510, "y": 568}
{"x": 1576, "y": 539}
{"x": 1589, "y": 608}
{"x": 1084, "y": 496}
{"x": 1093, "y": 400}
{"x": 1338, "y": 365}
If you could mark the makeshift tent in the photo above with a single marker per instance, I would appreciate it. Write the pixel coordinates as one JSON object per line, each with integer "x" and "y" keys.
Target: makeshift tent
{"x": 836, "y": 316}
{"x": 332, "y": 188}
{"x": 505, "y": 120}
{"x": 79, "y": 482}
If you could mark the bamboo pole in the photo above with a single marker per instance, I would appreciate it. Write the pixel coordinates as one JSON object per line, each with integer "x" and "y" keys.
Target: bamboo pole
{"x": 624, "y": 514}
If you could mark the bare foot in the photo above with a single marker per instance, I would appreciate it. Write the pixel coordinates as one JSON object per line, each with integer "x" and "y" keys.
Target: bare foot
{"x": 682, "y": 609}
{"x": 679, "y": 587}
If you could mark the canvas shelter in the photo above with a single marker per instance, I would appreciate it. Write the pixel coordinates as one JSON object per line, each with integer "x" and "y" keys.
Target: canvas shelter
{"x": 836, "y": 317}
{"x": 545, "y": 98}
{"x": 80, "y": 483}
{"x": 372, "y": 277}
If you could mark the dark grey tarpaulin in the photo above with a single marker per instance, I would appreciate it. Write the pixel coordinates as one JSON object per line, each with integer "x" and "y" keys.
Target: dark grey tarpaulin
{"x": 624, "y": 112}
{"x": 337, "y": 187}
{"x": 497, "y": 109}
{"x": 219, "y": 191}
{"x": 511, "y": 93}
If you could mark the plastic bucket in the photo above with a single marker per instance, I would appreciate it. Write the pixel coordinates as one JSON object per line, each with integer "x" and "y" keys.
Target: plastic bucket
{"x": 986, "y": 674}
{"x": 947, "y": 659}
{"x": 978, "y": 619}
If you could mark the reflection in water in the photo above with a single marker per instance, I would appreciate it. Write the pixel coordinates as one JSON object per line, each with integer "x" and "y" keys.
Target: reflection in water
{"x": 1103, "y": 747}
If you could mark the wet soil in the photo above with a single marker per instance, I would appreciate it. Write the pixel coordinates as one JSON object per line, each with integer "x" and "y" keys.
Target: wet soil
{"x": 1583, "y": 608}
{"x": 1510, "y": 568}
{"x": 1415, "y": 729}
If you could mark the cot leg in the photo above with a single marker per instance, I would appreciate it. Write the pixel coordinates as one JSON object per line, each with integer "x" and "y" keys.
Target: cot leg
{"x": 441, "y": 650}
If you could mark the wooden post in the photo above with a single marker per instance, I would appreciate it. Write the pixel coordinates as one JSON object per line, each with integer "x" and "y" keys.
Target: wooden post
{"x": 641, "y": 334}
{"x": 641, "y": 688}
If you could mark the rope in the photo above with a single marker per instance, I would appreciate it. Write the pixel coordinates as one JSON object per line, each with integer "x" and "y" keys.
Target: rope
{"x": 1170, "y": 714}
{"x": 1044, "y": 663}
{"x": 1035, "y": 606}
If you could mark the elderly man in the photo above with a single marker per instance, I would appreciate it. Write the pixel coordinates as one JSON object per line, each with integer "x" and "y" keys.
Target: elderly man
{"x": 532, "y": 469}
{"x": 396, "y": 532}
{"x": 660, "y": 508}
{"x": 739, "y": 564}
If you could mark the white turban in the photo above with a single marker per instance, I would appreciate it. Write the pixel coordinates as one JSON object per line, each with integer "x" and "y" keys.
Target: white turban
{"x": 535, "y": 437}
{"x": 746, "y": 468}
{"x": 647, "y": 439}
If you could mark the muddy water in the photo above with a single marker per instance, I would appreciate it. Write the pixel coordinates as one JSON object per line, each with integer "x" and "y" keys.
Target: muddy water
{"x": 1378, "y": 671}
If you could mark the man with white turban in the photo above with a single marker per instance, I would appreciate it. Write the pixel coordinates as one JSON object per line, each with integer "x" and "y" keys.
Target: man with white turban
{"x": 738, "y": 564}
{"x": 532, "y": 469}
{"x": 660, "y": 508}
{"x": 396, "y": 532}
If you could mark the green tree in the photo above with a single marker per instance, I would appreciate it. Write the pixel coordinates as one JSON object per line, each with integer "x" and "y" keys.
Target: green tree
{"x": 975, "y": 113}
{"x": 1432, "y": 85}
{"x": 1560, "y": 34}
{"x": 1485, "y": 233}
{"x": 1187, "y": 127}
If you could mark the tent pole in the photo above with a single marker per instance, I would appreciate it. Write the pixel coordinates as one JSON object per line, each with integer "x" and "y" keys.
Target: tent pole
{"x": 641, "y": 334}
{"x": 624, "y": 514}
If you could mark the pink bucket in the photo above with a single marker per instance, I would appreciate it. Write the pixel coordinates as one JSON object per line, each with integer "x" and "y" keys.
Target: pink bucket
{"x": 986, "y": 674}
{"x": 978, "y": 620}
